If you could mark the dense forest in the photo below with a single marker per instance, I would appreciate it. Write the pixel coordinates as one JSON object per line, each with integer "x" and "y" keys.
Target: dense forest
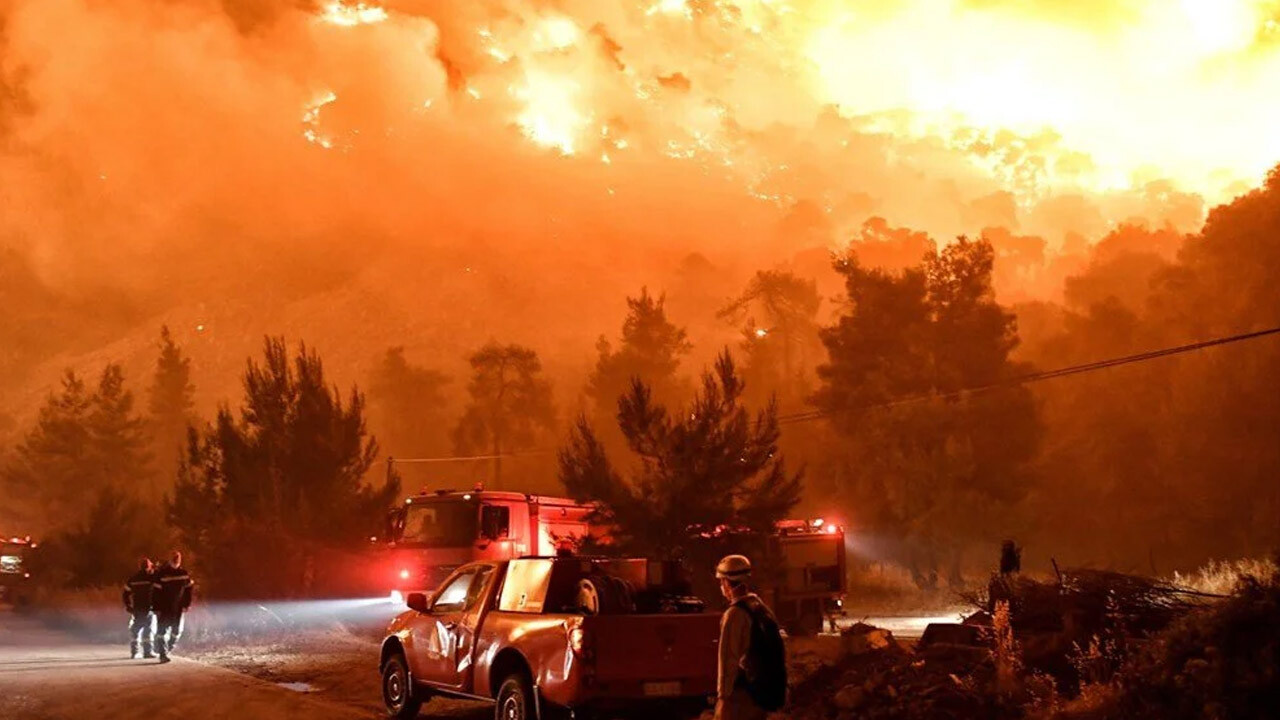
{"x": 1152, "y": 466}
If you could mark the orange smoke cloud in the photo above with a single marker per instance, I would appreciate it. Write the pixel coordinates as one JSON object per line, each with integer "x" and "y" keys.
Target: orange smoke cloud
{"x": 479, "y": 169}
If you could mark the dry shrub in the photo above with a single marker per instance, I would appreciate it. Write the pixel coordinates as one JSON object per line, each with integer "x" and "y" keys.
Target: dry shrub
{"x": 1006, "y": 652}
{"x": 1098, "y": 660}
{"x": 1043, "y": 696}
{"x": 1222, "y": 662}
{"x": 1223, "y": 577}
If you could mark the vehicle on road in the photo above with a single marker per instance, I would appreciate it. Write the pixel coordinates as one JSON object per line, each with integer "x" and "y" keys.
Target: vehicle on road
{"x": 434, "y": 533}
{"x": 801, "y": 571}
{"x": 15, "y": 569}
{"x": 555, "y": 636}
{"x": 813, "y": 578}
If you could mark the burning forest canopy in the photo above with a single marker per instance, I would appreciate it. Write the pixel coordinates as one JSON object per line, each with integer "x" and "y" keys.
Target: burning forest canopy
{"x": 434, "y": 174}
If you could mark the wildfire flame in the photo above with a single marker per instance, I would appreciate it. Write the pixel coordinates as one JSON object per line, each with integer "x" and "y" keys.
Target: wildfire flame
{"x": 311, "y": 120}
{"x": 1037, "y": 98}
{"x": 550, "y": 116}
{"x": 346, "y": 14}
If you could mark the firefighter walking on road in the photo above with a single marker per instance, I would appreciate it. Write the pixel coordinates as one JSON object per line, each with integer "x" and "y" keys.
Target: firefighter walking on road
{"x": 752, "y": 679}
{"x": 172, "y": 597}
{"x": 137, "y": 596}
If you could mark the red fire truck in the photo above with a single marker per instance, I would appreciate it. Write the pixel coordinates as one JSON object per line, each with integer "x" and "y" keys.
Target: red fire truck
{"x": 15, "y": 569}
{"x": 811, "y": 579}
{"x": 434, "y": 533}
{"x": 800, "y": 568}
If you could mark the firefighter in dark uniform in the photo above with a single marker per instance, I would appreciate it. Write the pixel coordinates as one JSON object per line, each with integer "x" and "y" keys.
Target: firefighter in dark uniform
{"x": 138, "y": 591}
{"x": 170, "y": 602}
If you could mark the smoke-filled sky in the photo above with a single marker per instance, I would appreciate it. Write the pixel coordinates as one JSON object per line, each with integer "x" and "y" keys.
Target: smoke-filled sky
{"x": 436, "y": 173}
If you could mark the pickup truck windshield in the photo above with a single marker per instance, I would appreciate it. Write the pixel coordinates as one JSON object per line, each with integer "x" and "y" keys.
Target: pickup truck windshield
{"x": 440, "y": 524}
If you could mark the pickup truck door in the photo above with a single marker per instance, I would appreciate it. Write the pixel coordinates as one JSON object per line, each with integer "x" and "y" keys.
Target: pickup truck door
{"x": 445, "y": 646}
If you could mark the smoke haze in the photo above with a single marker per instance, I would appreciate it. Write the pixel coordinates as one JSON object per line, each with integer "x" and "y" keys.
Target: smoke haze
{"x": 435, "y": 174}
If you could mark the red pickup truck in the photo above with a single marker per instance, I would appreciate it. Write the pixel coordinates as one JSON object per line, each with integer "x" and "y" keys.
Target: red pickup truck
{"x": 547, "y": 637}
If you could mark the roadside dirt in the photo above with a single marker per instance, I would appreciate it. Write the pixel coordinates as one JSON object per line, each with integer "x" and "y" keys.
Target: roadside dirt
{"x": 334, "y": 664}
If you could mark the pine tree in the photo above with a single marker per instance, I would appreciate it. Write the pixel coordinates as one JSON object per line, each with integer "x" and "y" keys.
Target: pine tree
{"x": 408, "y": 405}
{"x": 117, "y": 530}
{"x": 118, "y": 436}
{"x": 650, "y": 349}
{"x": 81, "y": 445}
{"x": 778, "y": 314}
{"x": 288, "y": 470}
{"x": 934, "y": 471}
{"x": 170, "y": 405}
{"x": 706, "y": 465}
{"x": 510, "y": 404}
{"x": 46, "y": 469}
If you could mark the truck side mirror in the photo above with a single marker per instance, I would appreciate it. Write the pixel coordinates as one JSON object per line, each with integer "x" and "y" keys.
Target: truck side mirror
{"x": 417, "y": 601}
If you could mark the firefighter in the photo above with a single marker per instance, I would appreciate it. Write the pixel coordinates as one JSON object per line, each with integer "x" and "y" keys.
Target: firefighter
{"x": 172, "y": 598}
{"x": 137, "y": 597}
{"x": 752, "y": 677}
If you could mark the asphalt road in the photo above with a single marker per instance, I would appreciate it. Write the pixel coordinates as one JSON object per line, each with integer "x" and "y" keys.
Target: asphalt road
{"x": 907, "y": 627}
{"x": 48, "y": 675}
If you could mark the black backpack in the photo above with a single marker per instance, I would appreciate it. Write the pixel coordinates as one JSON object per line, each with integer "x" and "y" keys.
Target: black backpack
{"x": 765, "y": 679}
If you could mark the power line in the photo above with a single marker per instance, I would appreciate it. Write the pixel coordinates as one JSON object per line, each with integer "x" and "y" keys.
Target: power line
{"x": 1043, "y": 375}
{"x": 466, "y": 458}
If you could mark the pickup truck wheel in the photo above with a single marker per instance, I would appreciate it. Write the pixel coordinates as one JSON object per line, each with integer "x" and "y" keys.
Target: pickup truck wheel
{"x": 397, "y": 691}
{"x": 515, "y": 699}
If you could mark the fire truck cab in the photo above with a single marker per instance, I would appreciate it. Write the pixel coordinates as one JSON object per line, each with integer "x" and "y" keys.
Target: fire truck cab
{"x": 15, "y": 569}
{"x": 434, "y": 533}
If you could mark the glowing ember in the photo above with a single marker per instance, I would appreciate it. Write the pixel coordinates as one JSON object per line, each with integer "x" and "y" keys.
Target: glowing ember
{"x": 352, "y": 14}
{"x": 311, "y": 121}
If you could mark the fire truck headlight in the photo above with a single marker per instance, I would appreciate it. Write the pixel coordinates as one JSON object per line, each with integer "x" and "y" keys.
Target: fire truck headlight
{"x": 818, "y": 522}
{"x": 831, "y": 529}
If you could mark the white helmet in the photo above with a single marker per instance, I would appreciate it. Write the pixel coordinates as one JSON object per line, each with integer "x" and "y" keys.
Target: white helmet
{"x": 734, "y": 567}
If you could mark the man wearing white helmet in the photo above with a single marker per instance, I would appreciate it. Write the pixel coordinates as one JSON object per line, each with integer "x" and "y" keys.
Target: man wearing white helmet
{"x": 747, "y": 620}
